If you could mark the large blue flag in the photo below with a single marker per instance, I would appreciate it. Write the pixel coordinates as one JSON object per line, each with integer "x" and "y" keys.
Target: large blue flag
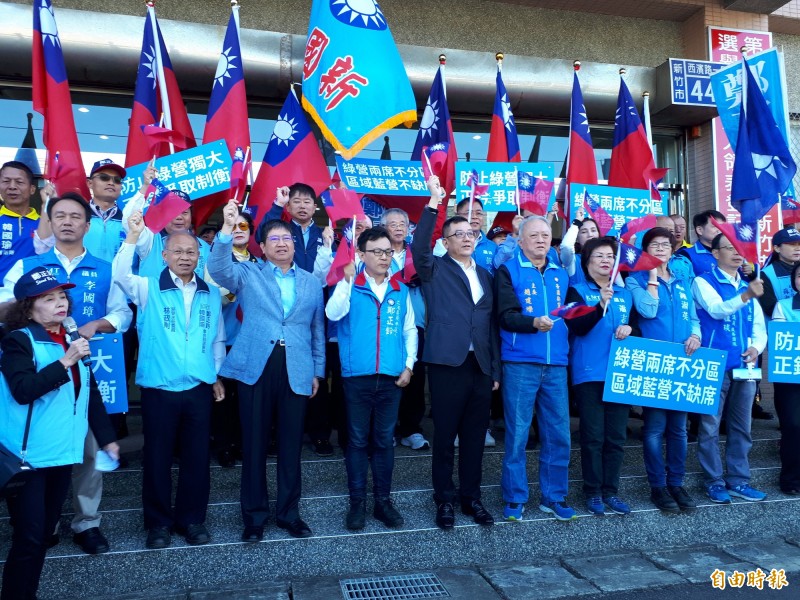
{"x": 354, "y": 84}
{"x": 764, "y": 167}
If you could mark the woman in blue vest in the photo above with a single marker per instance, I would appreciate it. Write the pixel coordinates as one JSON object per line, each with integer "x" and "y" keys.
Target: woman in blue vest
{"x": 43, "y": 382}
{"x": 787, "y": 400}
{"x": 602, "y": 425}
{"x": 664, "y": 304}
{"x": 778, "y": 283}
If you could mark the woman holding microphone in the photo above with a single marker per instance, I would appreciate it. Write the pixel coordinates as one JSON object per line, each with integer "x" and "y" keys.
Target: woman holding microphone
{"x": 44, "y": 384}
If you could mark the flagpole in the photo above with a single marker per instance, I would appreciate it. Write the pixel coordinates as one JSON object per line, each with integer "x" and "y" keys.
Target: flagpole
{"x": 516, "y": 191}
{"x": 471, "y": 200}
{"x": 613, "y": 272}
{"x": 162, "y": 83}
{"x": 646, "y": 114}
{"x": 442, "y": 63}
{"x": 576, "y": 67}
{"x": 235, "y": 12}
{"x": 745, "y": 66}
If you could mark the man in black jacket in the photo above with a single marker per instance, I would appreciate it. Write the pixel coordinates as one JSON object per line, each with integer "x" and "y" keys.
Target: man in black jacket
{"x": 462, "y": 354}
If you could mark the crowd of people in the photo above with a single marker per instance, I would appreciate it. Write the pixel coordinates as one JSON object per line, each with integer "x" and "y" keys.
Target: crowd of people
{"x": 244, "y": 355}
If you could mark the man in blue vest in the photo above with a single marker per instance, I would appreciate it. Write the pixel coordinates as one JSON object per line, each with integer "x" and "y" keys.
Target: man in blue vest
{"x": 18, "y": 220}
{"x": 534, "y": 351}
{"x": 377, "y": 349}
{"x": 778, "y": 273}
{"x": 730, "y": 319}
{"x": 181, "y": 349}
{"x": 700, "y": 253}
{"x": 97, "y": 307}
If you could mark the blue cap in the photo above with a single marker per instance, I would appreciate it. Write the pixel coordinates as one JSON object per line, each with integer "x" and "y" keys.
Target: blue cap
{"x": 787, "y": 235}
{"x": 107, "y": 163}
{"x": 37, "y": 282}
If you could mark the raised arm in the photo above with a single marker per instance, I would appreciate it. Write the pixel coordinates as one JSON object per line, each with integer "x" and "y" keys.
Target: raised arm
{"x": 421, "y": 248}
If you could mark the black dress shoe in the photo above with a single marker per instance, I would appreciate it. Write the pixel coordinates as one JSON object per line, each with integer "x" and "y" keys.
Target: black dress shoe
{"x": 357, "y": 515}
{"x": 195, "y": 534}
{"x": 791, "y": 491}
{"x": 272, "y": 448}
{"x": 663, "y": 500}
{"x": 158, "y": 538}
{"x": 296, "y": 528}
{"x": 52, "y": 540}
{"x": 387, "y": 514}
{"x": 91, "y": 541}
{"x": 478, "y": 513}
{"x": 226, "y": 459}
{"x": 445, "y": 516}
{"x": 253, "y": 534}
{"x": 760, "y": 413}
{"x": 322, "y": 448}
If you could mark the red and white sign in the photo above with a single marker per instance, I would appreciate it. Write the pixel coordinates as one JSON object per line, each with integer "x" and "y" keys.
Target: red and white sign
{"x": 724, "y": 46}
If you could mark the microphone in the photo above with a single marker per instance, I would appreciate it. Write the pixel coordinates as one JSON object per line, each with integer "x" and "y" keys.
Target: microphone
{"x": 71, "y": 327}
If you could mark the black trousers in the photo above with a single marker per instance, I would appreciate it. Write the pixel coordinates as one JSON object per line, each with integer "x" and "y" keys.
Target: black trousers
{"x": 225, "y": 429}
{"x": 320, "y": 414}
{"x": 168, "y": 417}
{"x": 412, "y": 402}
{"x": 270, "y": 395}
{"x": 34, "y": 514}
{"x": 603, "y": 437}
{"x": 460, "y": 398}
{"x": 787, "y": 405}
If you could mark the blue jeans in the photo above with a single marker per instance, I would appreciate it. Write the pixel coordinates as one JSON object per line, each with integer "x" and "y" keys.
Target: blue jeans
{"x": 528, "y": 386}
{"x": 658, "y": 425}
{"x": 738, "y": 396}
{"x": 372, "y": 404}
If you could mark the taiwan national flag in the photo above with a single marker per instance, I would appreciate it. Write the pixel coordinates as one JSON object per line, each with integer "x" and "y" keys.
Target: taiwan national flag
{"x": 763, "y": 168}
{"x": 355, "y": 86}
{"x": 573, "y": 310}
{"x": 52, "y": 99}
{"x": 631, "y": 228}
{"x": 534, "y": 193}
{"x": 791, "y": 210}
{"x": 345, "y": 254}
{"x": 474, "y": 182}
{"x": 165, "y": 205}
{"x": 409, "y": 271}
{"x": 435, "y": 161}
{"x": 157, "y": 135}
{"x": 581, "y": 165}
{"x": 240, "y": 165}
{"x": 292, "y": 156}
{"x": 632, "y": 164}
{"x": 743, "y": 237}
{"x": 227, "y": 112}
{"x": 342, "y": 204}
{"x": 148, "y": 105}
{"x": 632, "y": 258}
{"x": 605, "y": 222}
{"x": 503, "y": 142}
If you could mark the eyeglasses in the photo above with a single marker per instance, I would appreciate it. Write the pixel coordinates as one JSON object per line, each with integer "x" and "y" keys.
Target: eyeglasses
{"x": 475, "y": 213}
{"x": 243, "y": 226}
{"x": 398, "y": 225}
{"x": 468, "y": 234}
{"x": 105, "y": 178}
{"x": 189, "y": 253}
{"x": 602, "y": 257}
{"x": 729, "y": 248}
{"x": 378, "y": 253}
{"x": 659, "y": 245}
{"x": 280, "y": 238}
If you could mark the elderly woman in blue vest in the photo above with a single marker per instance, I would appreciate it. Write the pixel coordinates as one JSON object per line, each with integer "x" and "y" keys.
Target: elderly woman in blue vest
{"x": 602, "y": 425}
{"x": 46, "y": 389}
{"x": 787, "y": 399}
{"x": 777, "y": 273}
{"x": 730, "y": 320}
{"x": 377, "y": 350}
{"x": 665, "y": 306}
{"x": 581, "y": 231}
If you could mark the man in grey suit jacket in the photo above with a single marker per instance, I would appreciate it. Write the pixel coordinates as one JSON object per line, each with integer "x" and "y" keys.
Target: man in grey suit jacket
{"x": 283, "y": 310}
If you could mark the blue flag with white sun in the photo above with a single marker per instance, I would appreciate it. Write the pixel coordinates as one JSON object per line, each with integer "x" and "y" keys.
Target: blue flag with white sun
{"x": 355, "y": 86}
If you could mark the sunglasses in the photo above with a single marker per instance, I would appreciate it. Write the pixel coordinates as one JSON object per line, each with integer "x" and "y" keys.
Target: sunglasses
{"x": 243, "y": 226}
{"x": 105, "y": 178}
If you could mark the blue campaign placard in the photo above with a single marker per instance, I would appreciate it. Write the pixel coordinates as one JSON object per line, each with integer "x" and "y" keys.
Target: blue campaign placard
{"x": 784, "y": 352}
{"x": 691, "y": 81}
{"x": 384, "y": 177}
{"x": 108, "y": 366}
{"x": 644, "y": 372}
{"x": 199, "y": 172}
{"x": 623, "y": 204}
{"x": 502, "y": 181}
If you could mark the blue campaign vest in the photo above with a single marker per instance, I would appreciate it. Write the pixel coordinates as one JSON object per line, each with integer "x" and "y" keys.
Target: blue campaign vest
{"x": 702, "y": 260}
{"x": 371, "y": 334}
{"x": 578, "y": 276}
{"x": 730, "y": 334}
{"x": 16, "y": 239}
{"x": 681, "y": 267}
{"x": 791, "y": 308}
{"x": 177, "y": 359}
{"x": 538, "y": 294}
{"x": 672, "y": 322}
{"x": 92, "y": 279}
{"x": 104, "y": 238}
{"x": 59, "y": 421}
{"x": 154, "y": 264}
{"x": 590, "y": 352}
{"x": 484, "y": 252}
{"x": 781, "y": 284}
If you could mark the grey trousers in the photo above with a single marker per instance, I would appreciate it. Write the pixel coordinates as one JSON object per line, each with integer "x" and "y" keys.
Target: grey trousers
{"x": 87, "y": 488}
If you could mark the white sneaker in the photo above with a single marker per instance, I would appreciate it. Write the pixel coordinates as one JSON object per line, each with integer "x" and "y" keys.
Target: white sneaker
{"x": 415, "y": 441}
{"x": 489, "y": 441}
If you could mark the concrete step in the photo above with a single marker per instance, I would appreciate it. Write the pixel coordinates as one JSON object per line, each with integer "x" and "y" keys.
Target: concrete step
{"x": 418, "y": 545}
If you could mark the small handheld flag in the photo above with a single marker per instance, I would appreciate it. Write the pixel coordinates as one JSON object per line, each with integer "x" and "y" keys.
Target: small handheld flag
{"x": 743, "y": 237}
{"x": 165, "y": 205}
{"x": 634, "y": 226}
{"x": 573, "y": 310}
{"x": 342, "y": 203}
{"x": 345, "y": 254}
{"x": 605, "y": 222}
{"x": 632, "y": 258}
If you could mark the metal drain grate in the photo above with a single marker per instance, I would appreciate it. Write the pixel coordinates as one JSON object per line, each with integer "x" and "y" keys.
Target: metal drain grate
{"x": 399, "y": 587}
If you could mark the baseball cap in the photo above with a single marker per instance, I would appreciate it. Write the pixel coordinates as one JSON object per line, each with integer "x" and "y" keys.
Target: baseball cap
{"x": 787, "y": 235}
{"x": 107, "y": 163}
{"x": 495, "y": 231}
{"x": 37, "y": 282}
